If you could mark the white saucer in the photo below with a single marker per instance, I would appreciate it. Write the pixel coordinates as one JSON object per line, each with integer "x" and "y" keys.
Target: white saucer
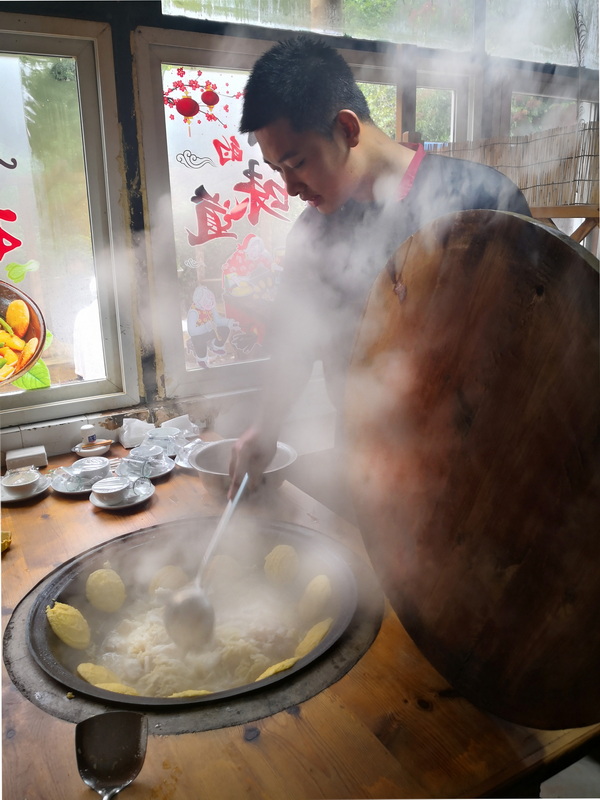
{"x": 181, "y": 459}
{"x": 90, "y": 451}
{"x": 133, "y": 501}
{"x": 8, "y": 496}
{"x": 169, "y": 468}
{"x": 58, "y": 485}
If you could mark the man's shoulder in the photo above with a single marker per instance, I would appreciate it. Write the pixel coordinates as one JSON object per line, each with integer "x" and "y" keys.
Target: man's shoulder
{"x": 480, "y": 185}
{"x": 435, "y": 162}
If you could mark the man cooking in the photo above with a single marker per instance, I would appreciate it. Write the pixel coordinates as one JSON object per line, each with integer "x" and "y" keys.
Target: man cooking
{"x": 365, "y": 195}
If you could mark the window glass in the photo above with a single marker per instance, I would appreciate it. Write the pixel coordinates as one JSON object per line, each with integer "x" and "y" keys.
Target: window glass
{"x": 46, "y": 244}
{"x": 381, "y": 99}
{"x": 62, "y": 218}
{"x": 448, "y": 24}
{"x": 435, "y": 115}
{"x": 555, "y": 31}
{"x": 530, "y": 113}
{"x": 231, "y": 216}
{"x": 267, "y": 13}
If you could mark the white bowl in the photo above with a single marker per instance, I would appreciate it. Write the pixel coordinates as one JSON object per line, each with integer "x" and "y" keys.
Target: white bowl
{"x": 21, "y": 481}
{"x": 211, "y": 460}
{"x": 111, "y": 491}
{"x": 92, "y": 468}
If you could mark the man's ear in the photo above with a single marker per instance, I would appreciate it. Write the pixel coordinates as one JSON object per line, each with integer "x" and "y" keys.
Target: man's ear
{"x": 350, "y": 126}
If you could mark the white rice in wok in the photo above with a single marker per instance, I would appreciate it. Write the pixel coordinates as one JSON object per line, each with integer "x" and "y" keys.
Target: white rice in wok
{"x": 254, "y": 629}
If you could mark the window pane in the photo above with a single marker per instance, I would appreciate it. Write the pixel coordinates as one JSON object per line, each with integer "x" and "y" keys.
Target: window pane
{"x": 381, "y": 98}
{"x": 530, "y": 113}
{"x": 268, "y": 13}
{"x": 555, "y": 31}
{"x": 46, "y": 247}
{"x": 448, "y": 24}
{"x": 435, "y": 115}
{"x": 231, "y": 217}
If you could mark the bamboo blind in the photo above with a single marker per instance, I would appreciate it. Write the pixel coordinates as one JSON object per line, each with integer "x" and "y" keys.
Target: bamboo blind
{"x": 557, "y": 167}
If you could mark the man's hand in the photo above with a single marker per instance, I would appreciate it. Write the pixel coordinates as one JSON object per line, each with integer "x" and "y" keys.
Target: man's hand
{"x": 252, "y": 453}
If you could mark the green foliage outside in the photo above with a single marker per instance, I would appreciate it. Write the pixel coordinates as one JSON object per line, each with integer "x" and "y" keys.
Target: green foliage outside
{"x": 531, "y": 113}
{"x": 431, "y": 23}
{"x": 434, "y": 114}
{"x": 382, "y": 105}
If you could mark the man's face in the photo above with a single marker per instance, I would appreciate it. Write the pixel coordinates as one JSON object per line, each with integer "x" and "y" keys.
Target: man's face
{"x": 313, "y": 167}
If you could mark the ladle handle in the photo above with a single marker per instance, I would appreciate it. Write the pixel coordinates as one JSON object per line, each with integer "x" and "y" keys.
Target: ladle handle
{"x": 223, "y": 522}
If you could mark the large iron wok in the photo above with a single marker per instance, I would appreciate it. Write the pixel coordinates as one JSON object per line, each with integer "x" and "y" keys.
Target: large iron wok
{"x": 181, "y": 543}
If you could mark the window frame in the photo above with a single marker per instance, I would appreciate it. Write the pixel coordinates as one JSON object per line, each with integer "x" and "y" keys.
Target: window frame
{"x": 151, "y": 48}
{"x": 90, "y": 44}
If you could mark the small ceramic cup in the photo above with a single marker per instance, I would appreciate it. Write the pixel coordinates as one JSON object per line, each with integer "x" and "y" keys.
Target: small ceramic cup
{"x": 91, "y": 469}
{"x": 145, "y": 461}
{"x": 111, "y": 491}
{"x": 21, "y": 481}
{"x": 169, "y": 439}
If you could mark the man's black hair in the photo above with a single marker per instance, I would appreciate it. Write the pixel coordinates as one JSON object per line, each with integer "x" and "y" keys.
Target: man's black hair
{"x": 305, "y": 81}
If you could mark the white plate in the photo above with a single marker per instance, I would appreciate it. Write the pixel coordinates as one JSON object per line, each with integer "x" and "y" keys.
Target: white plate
{"x": 90, "y": 451}
{"x": 168, "y": 468}
{"x": 8, "y": 496}
{"x": 58, "y": 485}
{"x": 133, "y": 501}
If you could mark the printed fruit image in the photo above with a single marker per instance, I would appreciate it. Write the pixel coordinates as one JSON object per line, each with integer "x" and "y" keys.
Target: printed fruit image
{"x": 22, "y": 333}
{"x": 17, "y": 316}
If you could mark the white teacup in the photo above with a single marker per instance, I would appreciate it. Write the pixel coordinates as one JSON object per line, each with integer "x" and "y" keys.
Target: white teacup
{"x": 169, "y": 439}
{"x": 145, "y": 461}
{"x": 91, "y": 469}
{"x": 112, "y": 491}
{"x": 21, "y": 481}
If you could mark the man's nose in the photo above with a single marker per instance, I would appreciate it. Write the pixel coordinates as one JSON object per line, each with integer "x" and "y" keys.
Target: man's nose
{"x": 292, "y": 184}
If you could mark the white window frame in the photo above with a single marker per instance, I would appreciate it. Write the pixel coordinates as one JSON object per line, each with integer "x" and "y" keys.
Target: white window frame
{"x": 152, "y": 47}
{"x": 90, "y": 44}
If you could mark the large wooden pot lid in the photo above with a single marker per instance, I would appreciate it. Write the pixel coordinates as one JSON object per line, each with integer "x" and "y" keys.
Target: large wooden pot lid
{"x": 473, "y": 425}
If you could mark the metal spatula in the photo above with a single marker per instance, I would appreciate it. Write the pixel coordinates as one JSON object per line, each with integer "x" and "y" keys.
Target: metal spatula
{"x": 111, "y": 749}
{"x": 189, "y": 616}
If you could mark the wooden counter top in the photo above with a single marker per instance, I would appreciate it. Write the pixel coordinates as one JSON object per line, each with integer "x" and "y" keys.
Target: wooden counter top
{"x": 390, "y": 728}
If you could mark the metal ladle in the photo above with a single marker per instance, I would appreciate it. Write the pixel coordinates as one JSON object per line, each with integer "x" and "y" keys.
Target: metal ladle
{"x": 110, "y": 750}
{"x": 189, "y": 616}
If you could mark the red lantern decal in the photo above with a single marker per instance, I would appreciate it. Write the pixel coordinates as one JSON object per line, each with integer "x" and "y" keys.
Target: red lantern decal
{"x": 210, "y": 98}
{"x": 187, "y": 106}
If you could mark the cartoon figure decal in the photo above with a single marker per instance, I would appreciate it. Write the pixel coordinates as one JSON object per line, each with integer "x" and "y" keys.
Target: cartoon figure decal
{"x": 207, "y": 328}
{"x": 250, "y": 278}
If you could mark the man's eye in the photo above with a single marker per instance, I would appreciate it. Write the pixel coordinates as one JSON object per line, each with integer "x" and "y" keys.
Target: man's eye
{"x": 298, "y": 165}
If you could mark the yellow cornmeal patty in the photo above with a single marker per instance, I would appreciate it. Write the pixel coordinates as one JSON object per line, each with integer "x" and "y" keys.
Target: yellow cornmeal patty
{"x": 190, "y": 693}
{"x": 119, "y": 688}
{"x": 95, "y": 674}
{"x": 281, "y": 564}
{"x": 281, "y": 666}
{"x": 168, "y": 577}
{"x": 105, "y": 590}
{"x": 315, "y": 598}
{"x": 314, "y": 636}
{"x": 69, "y": 624}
